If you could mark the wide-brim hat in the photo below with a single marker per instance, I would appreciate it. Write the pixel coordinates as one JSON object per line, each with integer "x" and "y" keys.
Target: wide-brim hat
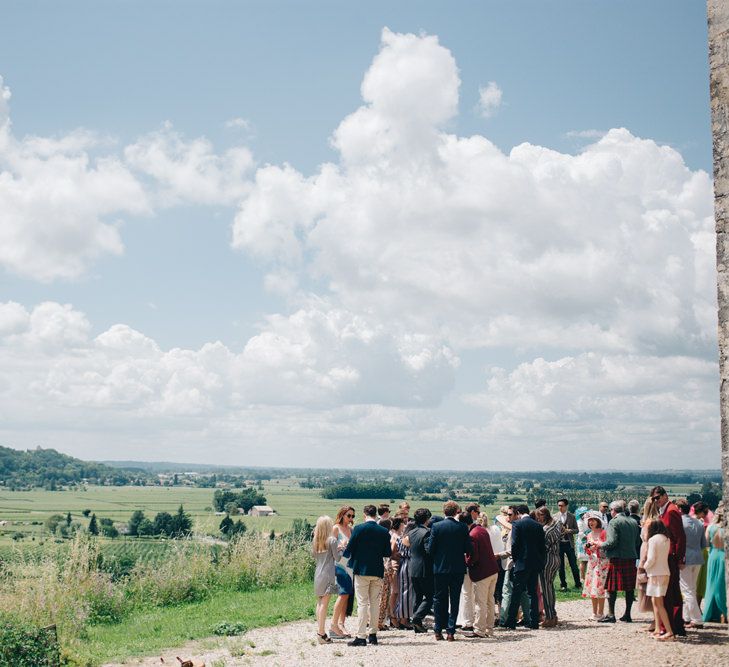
{"x": 581, "y": 511}
{"x": 592, "y": 514}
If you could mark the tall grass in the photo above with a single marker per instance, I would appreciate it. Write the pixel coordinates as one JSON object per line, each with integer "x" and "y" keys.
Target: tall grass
{"x": 76, "y": 587}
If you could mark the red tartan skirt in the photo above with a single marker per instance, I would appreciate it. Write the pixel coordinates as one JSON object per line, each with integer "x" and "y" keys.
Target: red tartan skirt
{"x": 621, "y": 575}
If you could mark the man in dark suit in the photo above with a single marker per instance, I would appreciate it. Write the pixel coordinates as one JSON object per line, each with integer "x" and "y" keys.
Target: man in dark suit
{"x": 529, "y": 553}
{"x": 448, "y": 546}
{"x": 366, "y": 549}
{"x": 567, "y": 544}
{"x": 420, "y": 568}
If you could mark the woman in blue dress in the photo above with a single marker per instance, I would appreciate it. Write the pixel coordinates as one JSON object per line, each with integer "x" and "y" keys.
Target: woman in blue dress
{"x": 342, "y": 531}
{"x": 715, "y": 599}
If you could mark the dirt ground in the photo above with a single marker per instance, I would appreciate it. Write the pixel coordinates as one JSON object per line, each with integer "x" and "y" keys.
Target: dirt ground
{"x": 576, "y": 641}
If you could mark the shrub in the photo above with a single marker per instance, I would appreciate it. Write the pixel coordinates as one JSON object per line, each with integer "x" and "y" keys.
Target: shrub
{"x": 26, "y": 645}
{"x": 226, "y": 629}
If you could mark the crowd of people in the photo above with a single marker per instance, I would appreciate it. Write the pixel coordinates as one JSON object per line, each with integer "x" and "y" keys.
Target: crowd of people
{"x": 472, "y": 574}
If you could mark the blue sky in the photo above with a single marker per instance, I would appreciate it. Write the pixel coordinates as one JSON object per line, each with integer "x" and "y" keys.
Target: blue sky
{"x": 217, "y": 261}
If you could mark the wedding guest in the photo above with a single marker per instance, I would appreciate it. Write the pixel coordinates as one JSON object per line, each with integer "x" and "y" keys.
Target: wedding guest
{"x": 598, "y": 565}
{"x": 386, "y": 583}
{"x": 404, "y": 608}
{"x": 581, "y": 540}
{"x": 326, "y": 553}
{"x": 715, "y": 608}
{"x": 567, "y": 544}
{"x": 529, "y": 552}
{"x": 552, "y": 535}
{"x": 671, "y": 517}
{"x": 403, "y": 509}
{"x": 695, "y": 545}
{"x": 383, "y": 511}
{"x": 344, "y": 604}
{"x": 421, "y": 568}
{"x": 605, "y": 514}
{"x": 541, "y": 502}
{"x": 619, "y": 546}
{"x": 367, "y": 547}
{"x": 466, "y": 606}
{"x": 508, "y": 564}
{"x": 634, "y": 510}
{"x": 483, "y": 572}
{"x": 448, "y": 545}
{"x": 656, "y": 567}
{"x": 497, "y": 546}
{"x": 397, "y": 528}
{"x": 645, "y": 605}
{"x": 700, "y": 510}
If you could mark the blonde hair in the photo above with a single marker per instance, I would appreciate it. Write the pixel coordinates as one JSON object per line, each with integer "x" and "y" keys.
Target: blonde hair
{"x": 322, "y": 533}
{"x": 650, "y": 510}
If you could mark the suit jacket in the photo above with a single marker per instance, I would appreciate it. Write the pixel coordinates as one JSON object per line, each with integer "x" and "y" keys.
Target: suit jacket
{"x": 367, "y": 547}
{"x": 569, "y": 528}
{"x": 622, "y": 537}
{"x": 528, "y": 547}
{"x": 448, "y": 545}
{"x": 421, "y": 564}
{"x": 695, "y": 540}
{"x": 672, "y": 520}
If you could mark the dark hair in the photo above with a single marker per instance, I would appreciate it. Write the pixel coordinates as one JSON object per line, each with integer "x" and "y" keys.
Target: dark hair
{"x": 473, "y": 507}
{"x": 422, "y": 514}
{"x": 396, "y": 522}
{"x": 385, "y": 523}
{"x": 410, "y": 525}
{"x": 370, "y": 510}
{"x": 450, "y": 508}
{"x": 522, "y": 509}
{"x": 701, "y": 506}
{"x": 381, "y": 509}
{"x": 465, "y": 517}
{"x": 564, "y": 500}
{"x": 656, "y": 527}
{"x": 433, "y": 520}
{"x": 659, "y": 490}
{"x": 683, "y": 505}
{"x": 544, "y": 515}
{"x": 539, "y": 503}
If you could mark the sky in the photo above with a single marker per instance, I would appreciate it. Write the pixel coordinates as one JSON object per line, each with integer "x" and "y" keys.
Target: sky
{"x": 359, "y": 235}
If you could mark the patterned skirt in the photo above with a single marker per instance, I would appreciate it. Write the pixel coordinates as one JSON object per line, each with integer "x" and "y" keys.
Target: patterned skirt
{"x": 621, "y": 575}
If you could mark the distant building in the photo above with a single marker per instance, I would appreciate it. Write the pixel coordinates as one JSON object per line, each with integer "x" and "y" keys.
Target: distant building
{"x": 262, "y": 510}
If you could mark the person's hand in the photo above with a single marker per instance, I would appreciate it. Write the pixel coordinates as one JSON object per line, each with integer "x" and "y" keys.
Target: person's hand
{"x": 681, "y": 566}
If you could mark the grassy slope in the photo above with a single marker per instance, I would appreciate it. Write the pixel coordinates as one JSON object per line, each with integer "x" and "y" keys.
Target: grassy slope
{"x": 147, "y": 632}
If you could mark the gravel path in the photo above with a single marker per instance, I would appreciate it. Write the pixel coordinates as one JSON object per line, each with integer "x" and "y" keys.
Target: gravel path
{"x": 576, "y": 641}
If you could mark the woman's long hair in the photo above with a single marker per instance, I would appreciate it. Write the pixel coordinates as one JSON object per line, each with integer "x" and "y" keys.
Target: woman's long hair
{"x": 341, "y": 514}
{"x": 322, "y": 532}
{"x": 650, "y": 510}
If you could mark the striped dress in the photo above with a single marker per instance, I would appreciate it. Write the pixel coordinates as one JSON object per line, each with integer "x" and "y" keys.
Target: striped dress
{"x": 406, "y": 597}
{"x": 552, "y": 534}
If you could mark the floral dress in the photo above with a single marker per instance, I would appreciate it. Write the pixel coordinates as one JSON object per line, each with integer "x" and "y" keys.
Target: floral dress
{"x": 597, "y": 570}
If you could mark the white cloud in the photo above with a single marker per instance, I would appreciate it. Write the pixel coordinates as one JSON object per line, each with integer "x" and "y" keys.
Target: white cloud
{"x": 58, "y": 204}
{"x": 609, "y": 249}
{"x": 586, "y": 134}
{"x": 239, "y": 123}
{"x": 190, "y": 171}
{"x": 489, "y": 99}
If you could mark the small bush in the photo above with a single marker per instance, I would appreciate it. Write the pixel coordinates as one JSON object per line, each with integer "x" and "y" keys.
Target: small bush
{"x": 25, "y": 645}
{"x": 226, "y": 629}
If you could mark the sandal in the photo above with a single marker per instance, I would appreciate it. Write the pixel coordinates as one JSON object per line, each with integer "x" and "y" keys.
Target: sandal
{"x": 323, "y": 639}
{"x": 667, "y": 638}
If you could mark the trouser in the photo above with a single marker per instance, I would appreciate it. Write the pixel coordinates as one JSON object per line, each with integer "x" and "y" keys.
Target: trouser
{"x": 687, "y": 579}
{"x": 446, "y": 595}
{"x": 465, "y": 605}
{"x": 673, "y": 600}
{"x": 506, "y": 595}
{"x": 368, "y": 590}
{"x": 546, "y": 583}
{"x": 423, "y": 587}
{"x": 524, "y": 580}
{"x": 567, "y": 549}
{"x": 499, "y": 590}
{"x": 483, "y": 594}
{"x": 384, "y": 598}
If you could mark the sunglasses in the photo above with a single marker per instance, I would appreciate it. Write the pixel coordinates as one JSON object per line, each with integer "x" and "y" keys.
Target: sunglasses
{"x": 655, "y": 499}
{"x": 509, "y": 514}
{"x": 350, "y": 516}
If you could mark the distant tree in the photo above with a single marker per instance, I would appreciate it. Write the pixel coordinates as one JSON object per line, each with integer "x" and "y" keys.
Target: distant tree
{"x": 145, "y": 528}
{"x": 108, "y": 529}
{"x": 272, "y": 534}
{"x": 86, "y": 512}
{"x": 238, "y": 528}
{"x": 486, "y": 499}
{"x": 231, "y": 507}
{"x": 136, "y": 519}
{"x": 711, "y": 494}
{"x": 181, "y": 524}
{"x": 68, "y": 519}
{"x": 162, "y": 524}
{"x": 301, "y": 531}
{"x": 52, "y": 522}
{"x": 93, "y": 525}
{"x": 225, "y": 525}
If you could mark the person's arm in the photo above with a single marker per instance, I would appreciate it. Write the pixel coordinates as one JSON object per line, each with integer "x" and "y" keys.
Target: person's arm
{"x": 431, "y": 542}
{"x": 679, "y": 534}
{"x": 703, "y": 544}
{"x": 335, "y": 549}
{"x": 473, "y": 557}
{"x": 570, "y": 526}
{"x": 611, "y": 539}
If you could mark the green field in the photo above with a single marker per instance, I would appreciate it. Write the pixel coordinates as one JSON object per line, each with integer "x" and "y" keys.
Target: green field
{"x": 25, "y": 511}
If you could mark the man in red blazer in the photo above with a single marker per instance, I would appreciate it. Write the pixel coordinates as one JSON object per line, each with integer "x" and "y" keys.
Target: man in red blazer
{"x": 671, "y": 518}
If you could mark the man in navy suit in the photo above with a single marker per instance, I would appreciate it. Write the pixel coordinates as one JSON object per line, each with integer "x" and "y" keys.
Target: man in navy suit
{"x": 448, "y": 545}
{"x": 529, "y": 552}
{"x": 367, "y": 547}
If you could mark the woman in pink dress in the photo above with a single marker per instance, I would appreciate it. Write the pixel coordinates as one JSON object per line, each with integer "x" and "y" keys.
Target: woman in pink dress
{"x": 597, "y": 566}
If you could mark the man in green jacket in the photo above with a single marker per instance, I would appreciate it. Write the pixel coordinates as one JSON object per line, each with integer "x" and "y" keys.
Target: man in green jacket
{"x": 619, "y": 546}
